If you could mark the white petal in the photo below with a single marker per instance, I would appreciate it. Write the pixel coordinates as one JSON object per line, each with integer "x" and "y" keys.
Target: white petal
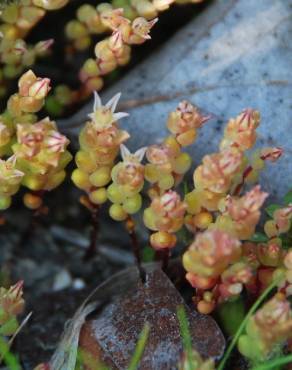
{"x": 124, "y": 151}
{"x": 120, "y": 115}
{"x": 12, "y": 160}
{"x": 18, "y": 173}
{"x": 153, "y": 22}
{"x": 113, "y": 102}
{"x": 97, "y": 101}
{"x": 140, "y": 153}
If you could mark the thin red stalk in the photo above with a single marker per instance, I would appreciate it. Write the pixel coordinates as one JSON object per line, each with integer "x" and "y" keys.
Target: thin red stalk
{"x": 91, "y": 250}
{"x": 130, "y": 225}
{"x": 165, "y": 259}
{"x": 33, "y": 223}
{"x": 246, "y": 172}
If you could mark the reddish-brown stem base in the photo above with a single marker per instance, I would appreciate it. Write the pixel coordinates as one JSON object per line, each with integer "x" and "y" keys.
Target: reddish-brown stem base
{"x": 91, "y": 250}
{"x": 130, "y": 225}
{"x": 165, "y": 259}
{"x": 34, "y": 220}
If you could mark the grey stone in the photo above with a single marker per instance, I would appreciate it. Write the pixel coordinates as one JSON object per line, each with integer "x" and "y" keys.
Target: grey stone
{"x": 236, "y": 54}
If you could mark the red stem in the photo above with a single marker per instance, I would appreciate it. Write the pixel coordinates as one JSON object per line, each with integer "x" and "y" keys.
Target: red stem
{"x": 130, "y": 225}
{"x": 91, "y": 250}
{"x": 165, "y": 259}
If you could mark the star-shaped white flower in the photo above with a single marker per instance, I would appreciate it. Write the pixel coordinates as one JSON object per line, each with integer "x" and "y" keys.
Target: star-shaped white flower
{"x": 127, "y": 156}
{"x": 104, "y": 115}
{"x": 8, "y": 171}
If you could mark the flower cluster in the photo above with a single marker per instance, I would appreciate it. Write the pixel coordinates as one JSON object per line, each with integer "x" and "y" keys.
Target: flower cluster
{"x": 11, "y": 305}
{"x": 215, "y": 205}
{"x": 240, "y": 215}
{"x": 267, "y": 330}
{"x": 17, "y": 18}
{"x": 271, "y": 254}
{"x": 39, "y": 150}
{"x": 41, "y": 155}
{"x": 165, "y": 216}
{"x": 115, "y": 50}
{"x": 128, "y": 181}
{"x": 227, "y": 171}
{"x": 214, "y": 268}
{"x": 167, "y": 163}
{"x": 91, "y": 20}
{"x": 217, "y": 277}
{"x": 21, "y": 108}
{"x": 10, "y": 181}
{"x": 100, "y": 142}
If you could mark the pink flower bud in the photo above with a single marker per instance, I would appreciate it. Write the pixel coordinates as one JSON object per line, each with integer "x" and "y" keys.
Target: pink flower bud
{"x": 141, "y": 27}
{"x": 271, "y": 154}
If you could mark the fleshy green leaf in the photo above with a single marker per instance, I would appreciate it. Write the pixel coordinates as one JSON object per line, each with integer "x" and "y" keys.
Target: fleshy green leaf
{"x": 288, "y": 197}
{"x": 259, "y": 238}
{"x": 231, "y": 315}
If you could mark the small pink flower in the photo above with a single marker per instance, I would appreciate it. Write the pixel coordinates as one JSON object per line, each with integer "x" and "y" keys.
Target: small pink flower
{"x": 241, "y": 131}
{"x": 283, "y": 218}
{"x": 141, "y": 27}
{"x": 271, "y": 154}
{"x": 217, "y": 170}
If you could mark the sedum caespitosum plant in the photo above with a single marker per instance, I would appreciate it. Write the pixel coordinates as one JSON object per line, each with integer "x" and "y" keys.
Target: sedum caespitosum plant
{"x": 100, "y": 141}
{"x": 218, "y": 264}
{"x": 17, "y": 19}
{"x": 166, "y": 167}
{"x": 115, "y": 50}
{"x": 91, "y": 20}
{"x": 129, "y": 20}
{"x": 221, "y": 269}
{"x": 22, "y": 108}
{"x": 33, "y": 152}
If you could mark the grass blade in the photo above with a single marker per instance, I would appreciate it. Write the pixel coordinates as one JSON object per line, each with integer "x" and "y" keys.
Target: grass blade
{"x": 140, "y": 346}
{"x": 185, "y": 334}
{"x": 275, "y": 363}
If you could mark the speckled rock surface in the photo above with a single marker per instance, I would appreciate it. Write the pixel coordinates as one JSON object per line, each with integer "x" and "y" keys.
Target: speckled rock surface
{"x": 236, "y": 54}
{"x": 113, "y": 333}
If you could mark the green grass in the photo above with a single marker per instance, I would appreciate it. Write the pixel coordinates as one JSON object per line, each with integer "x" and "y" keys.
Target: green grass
{"x": 186, "y": 335}
{"x": 273, "y": 364}
{"x": 140, "y": 346}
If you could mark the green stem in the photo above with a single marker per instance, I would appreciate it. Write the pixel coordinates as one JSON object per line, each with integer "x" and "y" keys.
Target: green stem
{"x": 272, "y": 364}
{"x": 254, "y": 307}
